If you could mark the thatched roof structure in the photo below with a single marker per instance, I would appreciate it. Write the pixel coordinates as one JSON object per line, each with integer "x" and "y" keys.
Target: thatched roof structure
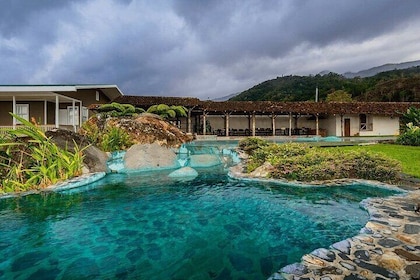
{"x": 271, "y": 107}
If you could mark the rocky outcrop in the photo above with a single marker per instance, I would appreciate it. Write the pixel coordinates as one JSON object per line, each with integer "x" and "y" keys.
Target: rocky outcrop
{"x": 145, "y": 129}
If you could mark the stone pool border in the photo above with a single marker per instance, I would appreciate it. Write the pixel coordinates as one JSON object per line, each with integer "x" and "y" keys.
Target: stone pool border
{"x": 72, "y": 183}
{"x": 387, "y": 247}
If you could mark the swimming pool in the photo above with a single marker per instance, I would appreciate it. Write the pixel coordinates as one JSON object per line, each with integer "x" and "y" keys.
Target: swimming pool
{"x": 149, "y": 226}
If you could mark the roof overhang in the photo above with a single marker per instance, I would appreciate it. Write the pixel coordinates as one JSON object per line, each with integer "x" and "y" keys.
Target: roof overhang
{"x": 111, "y": 91}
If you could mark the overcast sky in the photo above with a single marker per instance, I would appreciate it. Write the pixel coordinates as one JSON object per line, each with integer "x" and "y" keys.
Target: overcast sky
{"x": 201, "y": 48}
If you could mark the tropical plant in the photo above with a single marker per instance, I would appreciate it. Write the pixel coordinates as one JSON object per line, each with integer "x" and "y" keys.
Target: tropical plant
{"x": 168, "y": 112}
{"x": 30, "y": 160}
{"x": 411, "y": 136}
{"x": 108, "y": 139}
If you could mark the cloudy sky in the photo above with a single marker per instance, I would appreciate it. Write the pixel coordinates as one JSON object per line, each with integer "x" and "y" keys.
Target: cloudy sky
{"x": 201, "y": 48}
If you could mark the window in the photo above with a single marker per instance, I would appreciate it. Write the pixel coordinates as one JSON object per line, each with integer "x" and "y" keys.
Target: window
{"x": 22, "y": 110}
{"x": 70, "y": 115}
{"x": 365, "y": 122}
{"x": 97, "y": 95}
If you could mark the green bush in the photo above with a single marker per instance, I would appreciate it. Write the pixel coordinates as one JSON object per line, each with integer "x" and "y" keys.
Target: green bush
{"x": 250, "y": 144}
{"x": 115, "y": 109}
{"x": 411, "y": 137}
{"x": 294, "y": 161}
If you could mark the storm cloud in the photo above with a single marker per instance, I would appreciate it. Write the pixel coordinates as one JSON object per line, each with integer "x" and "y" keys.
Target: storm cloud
{"x": 199, "y": 48}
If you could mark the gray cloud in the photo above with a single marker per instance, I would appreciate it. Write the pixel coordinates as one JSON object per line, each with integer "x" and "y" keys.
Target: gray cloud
{"x": 199, "y": 48}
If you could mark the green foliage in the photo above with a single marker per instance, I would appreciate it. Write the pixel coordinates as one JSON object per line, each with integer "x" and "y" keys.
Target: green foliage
{"x": 250, "y": 144}
{"x": 115, "y": 109}
{"x": 410, "y": 123}
{"x": 109, "y": 139}
{"x": 30, "y": 160}
{"x": 295, "y": 161}
{"x": 411, "y": 137}
{"x": 396, "y": 85}
{"x": 411, "y": 116}
{"x": 114, "y": 139}
{"x": 339, "y": 96}
{"x": 168, "y": 112}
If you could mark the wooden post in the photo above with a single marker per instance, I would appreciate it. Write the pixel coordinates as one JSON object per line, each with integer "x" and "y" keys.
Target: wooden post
{"x": 189, "y": 120}
{"x": 317, "y": 124}
{"x": 253, "y": 124}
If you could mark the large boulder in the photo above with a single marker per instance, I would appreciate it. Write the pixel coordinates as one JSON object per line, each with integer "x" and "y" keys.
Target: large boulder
{"x": 94, "y": 159}
{"x": 141, "y": 157}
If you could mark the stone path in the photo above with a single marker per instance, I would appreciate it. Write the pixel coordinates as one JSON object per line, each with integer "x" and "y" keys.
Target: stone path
{"x": 388, "y": 247}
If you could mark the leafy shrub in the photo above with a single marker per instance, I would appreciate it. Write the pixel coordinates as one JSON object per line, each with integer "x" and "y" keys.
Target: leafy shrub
{"x": 30, "y": 160}
{"x": 167, "y": 112}
{"x": 411, "y": 137}
{"x": 250, "y": 144}
{"x": 115, "y": 109}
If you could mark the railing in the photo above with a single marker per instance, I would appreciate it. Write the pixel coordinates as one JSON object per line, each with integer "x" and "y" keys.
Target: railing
{"x": 44, "y": 128}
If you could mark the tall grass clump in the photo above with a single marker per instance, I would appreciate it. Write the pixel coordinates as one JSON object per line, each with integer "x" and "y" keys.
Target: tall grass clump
{"x": 30, "y": 160}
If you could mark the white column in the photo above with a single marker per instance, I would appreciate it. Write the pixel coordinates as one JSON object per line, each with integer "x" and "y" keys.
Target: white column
{"x": 227, "y": 124}
{"x": 204, "y": 123}
{"x": 80, "y": 114}
{"x": 273, "y": 124}
{"x": 290, "y": 124}
{"x": 14, "y": 112}
{"x": 57, "y": 111}
{"x": 45, "y": 112}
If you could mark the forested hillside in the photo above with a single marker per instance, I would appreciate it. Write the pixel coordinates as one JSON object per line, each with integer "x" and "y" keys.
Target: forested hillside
{"x": 393, "y": 86}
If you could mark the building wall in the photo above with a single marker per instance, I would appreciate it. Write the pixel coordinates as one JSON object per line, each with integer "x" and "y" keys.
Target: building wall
{"x": 88, "y": 96}
{"x": 383, "y": 125}
{"x": 36, "y": 111}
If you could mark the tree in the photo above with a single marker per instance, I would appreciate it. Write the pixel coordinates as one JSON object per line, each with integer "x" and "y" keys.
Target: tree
{"x": 339, "y": 96}
{"x": 167, "y": 112}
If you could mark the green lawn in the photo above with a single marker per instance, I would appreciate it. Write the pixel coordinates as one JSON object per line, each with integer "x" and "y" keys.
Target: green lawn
{"x": 409, "y": 156}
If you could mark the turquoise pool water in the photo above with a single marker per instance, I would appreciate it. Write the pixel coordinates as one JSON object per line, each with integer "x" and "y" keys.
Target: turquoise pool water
{"x": 147, "y": 226}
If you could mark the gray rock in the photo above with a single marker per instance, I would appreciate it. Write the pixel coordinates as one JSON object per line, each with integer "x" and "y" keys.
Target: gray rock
{"x": 389, "y": 242}
{"x": 342, "y": 246}
{"x": 411, "y": 229}
{"x": 141, "y": 157}
{"x": 348, "y": 265}
{"x": 295, "y": 269}
{"x": 324, "y": 254}
{"x": 184, "y": 173}
{"x": 413, "y": 270}
{"x": 205, "y": 160}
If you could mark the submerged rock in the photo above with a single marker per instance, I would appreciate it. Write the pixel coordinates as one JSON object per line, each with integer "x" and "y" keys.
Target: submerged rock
{"x": 184, "y": 173}
{"x": 205, "y": 160}
{"x": 149, "y": 157}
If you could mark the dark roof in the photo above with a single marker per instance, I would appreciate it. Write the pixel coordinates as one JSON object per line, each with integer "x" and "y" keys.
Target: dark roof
{"x": 269, "y": 107}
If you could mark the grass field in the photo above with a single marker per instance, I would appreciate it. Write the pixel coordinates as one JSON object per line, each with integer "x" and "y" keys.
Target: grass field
{"x": 409, "y": 156}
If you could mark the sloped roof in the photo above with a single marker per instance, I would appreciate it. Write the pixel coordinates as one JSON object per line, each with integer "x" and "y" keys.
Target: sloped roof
{"x": 268, "y": 107}
{"x": 111, "y": 91}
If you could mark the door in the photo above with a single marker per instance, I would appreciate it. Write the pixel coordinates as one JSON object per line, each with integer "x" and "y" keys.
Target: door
{"x": 346, "y": 127}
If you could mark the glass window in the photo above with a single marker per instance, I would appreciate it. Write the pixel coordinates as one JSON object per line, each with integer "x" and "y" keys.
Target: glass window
{"x": 22, "y": 110}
